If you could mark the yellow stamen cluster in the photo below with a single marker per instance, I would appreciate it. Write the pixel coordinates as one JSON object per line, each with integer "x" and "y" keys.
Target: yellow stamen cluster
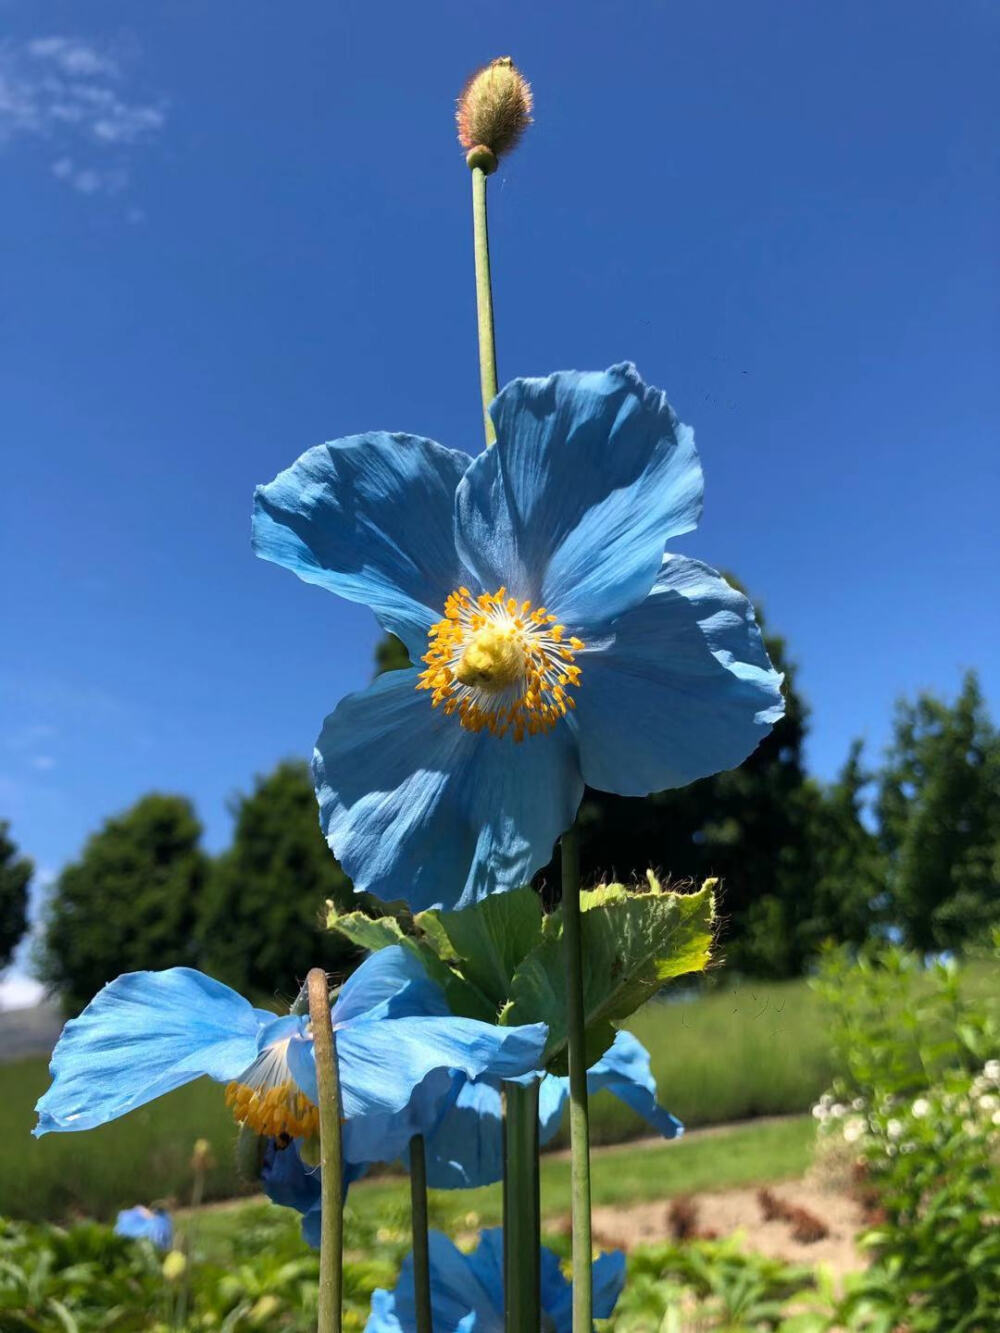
{"x": 280, "y": 1109}
{"x": 500, "y": 664}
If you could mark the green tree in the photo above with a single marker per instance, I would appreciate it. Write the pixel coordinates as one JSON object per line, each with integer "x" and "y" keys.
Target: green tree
{"x": 260, "y": 918}
{"x": 939, "y": 819}
{"x": 15, "y": 879}
{"x": 128, "y": 903}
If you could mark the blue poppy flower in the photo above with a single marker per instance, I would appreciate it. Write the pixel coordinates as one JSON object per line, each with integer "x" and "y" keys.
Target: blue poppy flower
{"x": 152, "y": 1224}
{"x": 289, "y": 1182}
{"x": 398, "y": 1049}
{"x": 465, "y": 1149}
{"x": 467, "y": 1290}
{"x": 561, "y": 646}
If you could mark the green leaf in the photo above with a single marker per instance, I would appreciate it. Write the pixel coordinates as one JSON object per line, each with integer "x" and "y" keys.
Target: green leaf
{"x": 632, "y": 944}
{"x": 493, "y": 937}
{"x": 374, "y": 933}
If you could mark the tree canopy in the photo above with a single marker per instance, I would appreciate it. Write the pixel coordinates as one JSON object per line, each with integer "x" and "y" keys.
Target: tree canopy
{"x": 15, "y": 880}
{"x": 129, "y": 902}
{"x": 260, "y": 916}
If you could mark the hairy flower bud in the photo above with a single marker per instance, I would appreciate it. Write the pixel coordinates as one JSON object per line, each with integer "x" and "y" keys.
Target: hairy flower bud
{"x": 494, "y": 110}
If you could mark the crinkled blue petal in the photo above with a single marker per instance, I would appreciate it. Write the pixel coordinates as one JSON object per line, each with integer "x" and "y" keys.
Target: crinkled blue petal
{"x": 460, "y": 1300}
{"x": 624, "y": 1070}
{"x": 557, "y": 1293}
{"x": 149, "y": 1224}
{"x": 416, "y": 807}
{"x": 467, "y": 1290}
{"x": 287, "y": 1181}
{"x": 465, "y": 1150}
{"x": 682, "y": 686}
{"x": 143, "y": 1035}
{"x": 391, "y": 983}
{"x": 383, "y": 1061}
{"x": 369, "y": 517}
{"x": 385, "y": 1136}
{"x": 590, "y": 476}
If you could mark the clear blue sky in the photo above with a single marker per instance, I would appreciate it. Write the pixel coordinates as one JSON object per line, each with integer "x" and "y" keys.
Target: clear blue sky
{"x": 231, "y": 231}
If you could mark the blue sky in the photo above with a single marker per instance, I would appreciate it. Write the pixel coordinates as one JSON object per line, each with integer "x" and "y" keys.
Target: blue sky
{"x": 232, "y": 231}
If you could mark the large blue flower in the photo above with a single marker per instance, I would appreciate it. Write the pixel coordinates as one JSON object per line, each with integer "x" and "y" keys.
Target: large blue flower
{"x": 399, "y": 1051}
{"x": 467, "y": 1290}
{"x": 465, "y": 1149}
{"x": 561, "y": 645}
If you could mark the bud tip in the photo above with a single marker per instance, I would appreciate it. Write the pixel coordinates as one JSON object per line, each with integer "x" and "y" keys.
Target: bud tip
{"x": 494, "y": 110}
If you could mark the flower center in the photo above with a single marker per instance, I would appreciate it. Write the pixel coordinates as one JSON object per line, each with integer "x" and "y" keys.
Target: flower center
{"x": 266, "y": 1098}
{"x": 500, "y": 664}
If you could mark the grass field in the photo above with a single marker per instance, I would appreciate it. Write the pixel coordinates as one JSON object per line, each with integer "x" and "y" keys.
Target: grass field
{"x": 745, "y": 1155}
{"x": 726, "y": 1055}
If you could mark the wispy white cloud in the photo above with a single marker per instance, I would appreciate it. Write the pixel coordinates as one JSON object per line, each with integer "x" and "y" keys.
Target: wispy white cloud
{"x": 72, "y": 95}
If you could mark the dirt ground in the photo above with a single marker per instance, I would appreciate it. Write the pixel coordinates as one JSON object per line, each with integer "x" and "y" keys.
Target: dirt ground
{"x": 726, "y": 1211}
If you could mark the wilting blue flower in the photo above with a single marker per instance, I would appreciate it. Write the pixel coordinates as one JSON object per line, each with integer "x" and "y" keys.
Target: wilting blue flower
{"x": 467, "y": 1290}
{"x": 465, "y": 1149}
{"x": 561, "y": 645}
{"x": 398, "y": 1049}
{"x": 152, "y": 1224}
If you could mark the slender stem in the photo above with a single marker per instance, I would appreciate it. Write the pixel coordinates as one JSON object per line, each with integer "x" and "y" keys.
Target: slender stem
{"x": 522, "y": 1209}
{"x": 484, "y": 300}
{"x": 579, "y": 1117}
{"x": 331, "y": 1249}
{"x": 421, "y": 1250}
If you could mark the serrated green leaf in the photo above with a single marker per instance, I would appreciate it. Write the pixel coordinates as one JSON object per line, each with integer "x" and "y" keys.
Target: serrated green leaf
{"x": 493, "y": 937}
{"x": 631, "y": 946}
{"x": 374, "y": 933}
{"x": 604, "y": 893}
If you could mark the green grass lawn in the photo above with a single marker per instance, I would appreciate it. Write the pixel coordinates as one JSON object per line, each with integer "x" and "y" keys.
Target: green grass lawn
{"x": 747, "y": 1154}
{"x": 729, "y": 1054}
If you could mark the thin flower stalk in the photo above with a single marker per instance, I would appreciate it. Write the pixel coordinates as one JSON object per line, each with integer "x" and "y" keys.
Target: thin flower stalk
{"x": 579, "y": 1114}
{"x": 331, "y": 1253}
{"x": 421, "y": 1255}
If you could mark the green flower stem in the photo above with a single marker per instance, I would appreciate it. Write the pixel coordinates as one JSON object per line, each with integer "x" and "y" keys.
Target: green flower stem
{"x": 522, "y": 1223}
{"x": 579, "y": 1116}
{"x": 421, "y": 1251}
{"x": 484, "y": 300}
{"x": 331, "y": 1250}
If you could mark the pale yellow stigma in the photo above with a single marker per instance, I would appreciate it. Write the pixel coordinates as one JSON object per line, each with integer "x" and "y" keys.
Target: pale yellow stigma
{"x": 500, "y": 664}
{"x": 272, "y": 1112}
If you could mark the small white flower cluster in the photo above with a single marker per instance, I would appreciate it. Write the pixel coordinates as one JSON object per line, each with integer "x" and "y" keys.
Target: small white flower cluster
{"x": 887, "y": 1124}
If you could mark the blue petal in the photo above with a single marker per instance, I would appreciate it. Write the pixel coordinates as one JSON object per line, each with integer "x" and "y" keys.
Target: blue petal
{"x": 416, "y": 807}
{"x": 591, "y": 475}
{"x": 143, "y": 1035}
{"x": 557, "y": 1293}
{"x": 682, "y": 688}
{"x": 625, "y": 1070}
{"x": 396, "y": 1074}
{"x": 391, "y": 983}
{"x": 465, "y": 1150}
{"x": 287, "y": 1181}
{"x": 146, "y": 1224}
{"x": 462, "y": 1298}
{"x": 369, "y": 517}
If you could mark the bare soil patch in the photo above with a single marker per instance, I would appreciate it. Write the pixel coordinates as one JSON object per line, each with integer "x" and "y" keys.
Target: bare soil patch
{"x": 723, "y": 1212}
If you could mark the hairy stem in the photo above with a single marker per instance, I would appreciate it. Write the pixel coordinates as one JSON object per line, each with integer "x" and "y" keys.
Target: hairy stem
{"x": 331, "y": 1250}
{"x": 579, "y": 1116}
{"x": 484, "y": 300}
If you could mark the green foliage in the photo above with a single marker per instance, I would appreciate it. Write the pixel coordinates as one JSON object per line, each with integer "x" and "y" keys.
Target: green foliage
{"x": 939, "y": 818}
{"x": 632, "y": 944}
{"x": 128, "y": 903}
{"x": 390, "y": 655}
{"x": 918, "y": 1106}
{"x": 503, "y": 957}
{"x": 15, "y": 879}
{"x": 260, "y": 926}
{"x": 716, "y": 1285}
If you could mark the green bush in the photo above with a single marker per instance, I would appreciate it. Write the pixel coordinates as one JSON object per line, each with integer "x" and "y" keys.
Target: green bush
{"x": 916, "y": 1108}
